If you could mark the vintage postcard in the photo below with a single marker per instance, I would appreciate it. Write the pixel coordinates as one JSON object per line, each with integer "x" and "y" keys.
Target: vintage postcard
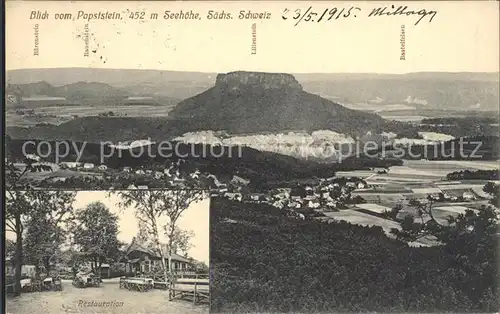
{"x": 348, "y": 151}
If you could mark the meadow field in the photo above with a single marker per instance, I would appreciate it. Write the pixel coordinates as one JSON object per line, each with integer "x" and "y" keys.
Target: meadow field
{"x": 61, "y": 114}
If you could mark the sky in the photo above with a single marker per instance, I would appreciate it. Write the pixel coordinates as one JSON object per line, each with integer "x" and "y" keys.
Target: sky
{"x": 195, "y": 218}
{"x": 463, "y": 36}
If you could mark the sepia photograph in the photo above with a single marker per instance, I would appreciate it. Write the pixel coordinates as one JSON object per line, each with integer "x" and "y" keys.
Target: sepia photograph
{"x": 252, "y": 157}
{"x": 107, "y": 252}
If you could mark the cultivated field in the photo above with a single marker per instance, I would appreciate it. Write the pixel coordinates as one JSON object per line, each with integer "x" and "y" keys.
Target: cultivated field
{"x": 452, "y": 165}
{"x": 363, "y": 219}
{"x": 61, "y": 114}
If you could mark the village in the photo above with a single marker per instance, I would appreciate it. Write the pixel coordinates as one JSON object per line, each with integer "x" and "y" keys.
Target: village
{"x": 370, "y": 198}
{"x": 42, "y": 172}
{"x": 374, "y": 197}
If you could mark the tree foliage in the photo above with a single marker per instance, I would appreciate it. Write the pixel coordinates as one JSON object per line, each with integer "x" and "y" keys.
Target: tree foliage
{"x": 95, "y": 234}
{"x": 152, "y": 208}
{"x": 470, "y": 242}
{"x": 263, "y": 261}
{"x": 28, "y": 211}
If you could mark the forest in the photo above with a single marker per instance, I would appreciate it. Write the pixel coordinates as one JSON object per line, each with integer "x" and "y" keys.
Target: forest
{"x": 263, "y": 261}
{"x": 474, "y": 175}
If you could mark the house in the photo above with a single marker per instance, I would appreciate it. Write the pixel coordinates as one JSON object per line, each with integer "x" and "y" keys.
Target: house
{"x": 102, "y": 167}
{"x": 222, "y": 188}
{"x": 381, "y": 170}
{"x": 310, "y": 198}
{"x": 142, "y": 187}
{"x": 139, "y": 258}
{"x": 233, "y": 196}
{"x": 281, "y": 195}
{"x": 88, "y": 166}
{"x": 140, "y": 171}
{"x": 295, "y": 205}
{"x": 11, "y": 99}
{"x": 149, "y": 171}
{"x": 331, "y": 204}
{"x": 313, "y": 204}
{"x": 58, "y": 179}
{"x": 239, "y": 180}
{"x": 468, "y": 195}
{"x": 69, "y": 165}
{"x": 26, "y": 270}
{"x": 361, "y": 185}
{"x": 436, "y": 196}
{"x": 42, "y": 167}
{"x": 131, "y": 187}
{"x": 278, "y": 204}
{"x": 351, "y": 184}
{"x": 105, "y": 271}
{"x": 257, "y": 197}
{"x": 126, "y": 169}
{"x": 179, "y": 180}
{"x": 33, "y": 157}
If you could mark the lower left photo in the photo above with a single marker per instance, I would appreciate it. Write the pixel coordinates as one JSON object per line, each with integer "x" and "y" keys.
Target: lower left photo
{"x": 128, "y": 251}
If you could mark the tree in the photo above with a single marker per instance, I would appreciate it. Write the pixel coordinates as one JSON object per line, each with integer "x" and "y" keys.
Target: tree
{"x": 95, "y": 234}
{"x": 16, "y": 208}
{"x": 41, "y": 243}
{"x": 44, "y": 227}
{"x": 469, "y": 242}
{"x": 10, "y": 247}
{"x": 21, "y": 206}
{"x": 178, "y": 239}
{"x": 153, "y": 206}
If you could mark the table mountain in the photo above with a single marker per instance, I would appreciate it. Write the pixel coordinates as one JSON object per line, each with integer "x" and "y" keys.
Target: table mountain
{"x": 251, "y": 102}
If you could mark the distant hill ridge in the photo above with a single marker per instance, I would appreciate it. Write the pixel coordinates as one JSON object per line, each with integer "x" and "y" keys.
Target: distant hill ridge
{"x": 87, "y": 89}
{"x": 443, "y": 90}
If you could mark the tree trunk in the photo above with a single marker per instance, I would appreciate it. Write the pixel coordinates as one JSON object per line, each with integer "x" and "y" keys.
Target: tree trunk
{"x": 170, "y": 242}
{"x": 164, "y": 269}
{"x": 46, "y": 264}
{"x": 160, "y": 250}
{"x": 98, "y": 272}
{"x": 18, "y": 255}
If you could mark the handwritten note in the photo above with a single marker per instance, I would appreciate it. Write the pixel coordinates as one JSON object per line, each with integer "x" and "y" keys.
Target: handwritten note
{"x": 314, "y": 15}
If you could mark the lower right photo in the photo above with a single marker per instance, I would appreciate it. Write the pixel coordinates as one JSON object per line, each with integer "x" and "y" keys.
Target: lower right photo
{"x": 275, "y": 251}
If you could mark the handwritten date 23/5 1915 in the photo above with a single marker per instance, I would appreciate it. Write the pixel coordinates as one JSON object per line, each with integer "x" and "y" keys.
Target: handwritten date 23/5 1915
{"x": 310, "y": 15}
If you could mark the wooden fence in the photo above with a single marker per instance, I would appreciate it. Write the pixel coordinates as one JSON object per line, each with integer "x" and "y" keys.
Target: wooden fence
{"x": 196, "y": 289}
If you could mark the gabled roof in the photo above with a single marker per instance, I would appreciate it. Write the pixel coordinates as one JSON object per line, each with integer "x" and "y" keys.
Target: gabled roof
{"x": 136, "y": 246}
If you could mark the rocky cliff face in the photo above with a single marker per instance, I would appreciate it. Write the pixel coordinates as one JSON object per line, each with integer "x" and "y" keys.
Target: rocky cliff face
{"x": 242, "y": 80}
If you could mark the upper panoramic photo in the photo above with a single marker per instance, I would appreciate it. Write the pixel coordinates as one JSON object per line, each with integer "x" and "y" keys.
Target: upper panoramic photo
{"x": 177, "y": 115}
{"x": 89, "y": 128}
